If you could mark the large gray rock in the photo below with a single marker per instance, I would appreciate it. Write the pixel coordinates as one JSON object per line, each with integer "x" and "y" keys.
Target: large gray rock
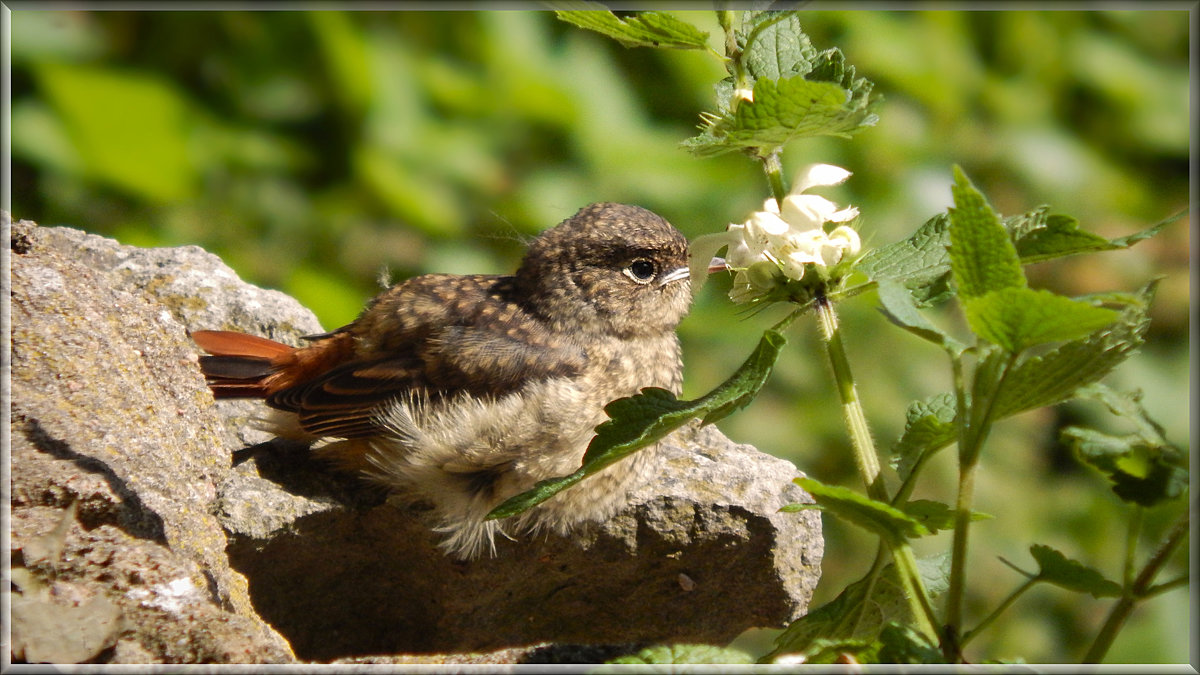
{"x": 109, "y": 411}
{"x": 109, "y": 417}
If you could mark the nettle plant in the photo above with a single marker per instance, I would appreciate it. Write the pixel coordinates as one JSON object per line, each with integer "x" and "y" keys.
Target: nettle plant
{"x": 1028, "y": 349}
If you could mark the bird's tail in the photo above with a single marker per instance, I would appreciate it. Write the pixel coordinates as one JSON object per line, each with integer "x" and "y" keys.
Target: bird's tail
{"x": 239, "y": 364}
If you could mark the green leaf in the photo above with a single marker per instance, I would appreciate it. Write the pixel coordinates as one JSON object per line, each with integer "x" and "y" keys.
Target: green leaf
{"x": 936, "y": 515}
{"x": 647, "y": 29}
{"x": 1036, "y": 382}
{"x": 896, "y": 644}
{"x": 1055, "y": 376}
{"x": 683, "y": 653}
{"x": 782, "y": 110}
{"x": 775, "y": 47}
{"x": 852, "y": 615}
{"x": 883, "y": 519}
{"x": 920, "y": 263}
{"x": 1017, "y": 318}
{"x": 1142, "y": 471}
{"x": 900, "y": 308}
{"x": 1130, "y": 240}
{"x": 1040, "y": 236}
{"x": 638, "y": 421}
{"x": 982, "y": 256}
{"x": 824, "y": 651}
{"x": 830, "y": 66}
{"x": 929, "y": 426}
{"x": 1128, "y": 406}
{"x": 1057, "y": 569}
{"x": 901, "y": 643}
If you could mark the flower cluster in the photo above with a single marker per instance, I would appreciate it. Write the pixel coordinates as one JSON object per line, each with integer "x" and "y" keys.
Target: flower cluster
{"x": 782, "y": 241}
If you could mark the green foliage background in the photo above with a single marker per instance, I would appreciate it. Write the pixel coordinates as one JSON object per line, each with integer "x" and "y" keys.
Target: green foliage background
{"x": 312, "y": 150}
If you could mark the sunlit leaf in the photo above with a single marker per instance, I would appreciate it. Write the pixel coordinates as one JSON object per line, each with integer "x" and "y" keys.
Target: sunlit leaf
{"x": 1057, "y": 569}
{"x": 982, "y": 256}
{"x": 883, "y": 519}
{"x": 929, "y": 426}
{"x": 646, "y": 29}
{"x": 1017, "y": 318}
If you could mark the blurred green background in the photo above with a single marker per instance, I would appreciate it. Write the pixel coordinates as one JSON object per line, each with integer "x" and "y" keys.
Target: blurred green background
{"x": 312, "y": 150}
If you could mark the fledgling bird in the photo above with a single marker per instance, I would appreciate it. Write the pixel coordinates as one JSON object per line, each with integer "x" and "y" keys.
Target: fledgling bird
{"x": 463, "y": 391}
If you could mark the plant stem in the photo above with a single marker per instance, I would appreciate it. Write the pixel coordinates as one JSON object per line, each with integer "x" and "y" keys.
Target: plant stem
{"x": 774, "y": 170}
{"x": 974, "y": 425}
{"x": 969, "y": 635}
{"x": 725, "y": 19}
{"x": 958, "y": 557}
{"x": 1131, "y": 540}
{"x": 1167, "y": 586}
{"x": 871, "y": 577}
{"x": 865, "y": 457}
{"x": 1138, "y": 591}
{"x": 867, "y": 461}
{"x": 914, "y": 589}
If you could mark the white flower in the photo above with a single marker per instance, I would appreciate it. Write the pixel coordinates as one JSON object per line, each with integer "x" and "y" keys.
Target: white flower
{"x": 777, "y": 243}
{"x": 744, "y": 94}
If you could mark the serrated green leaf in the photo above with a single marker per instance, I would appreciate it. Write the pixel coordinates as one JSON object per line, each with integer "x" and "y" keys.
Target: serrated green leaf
{"x": 1036, "y": 382}
{"x": 1055, "y": 376}
{"x": 1141, "y": 470}
{"x": 638, "y": 421}
{"x": 1128, "y": 406}
{"x": 824, "y": 651}
{"x": 982, "y": 257}
{"x": 883, "y": 519}
{"x": 1130, "y": 240}
{"x": 900, "y": 308}
{"x": 920, "y": 263}
{"x": 901, "y": 643}
{"x": 1044, "y": 236}
{"x": 776, "y": 47}
{"x": 896, "y": 644}
{"x": 854, "y": 616}
{"x": 782, "y": 110}
{"x": 929, "y": 427}
{"x": 682, "y": 653}
{"x": 1017, "y": 318}
{"x": 936, "y": 515}
{"x": 1040, "y": 236}
{"x": 830, "y": 66}
{"x": 646, "y": 29}
{"x": 1058, "y": 569}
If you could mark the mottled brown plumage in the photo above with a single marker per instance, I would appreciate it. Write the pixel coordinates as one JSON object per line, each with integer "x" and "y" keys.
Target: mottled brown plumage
{"x": 465, "y": 390}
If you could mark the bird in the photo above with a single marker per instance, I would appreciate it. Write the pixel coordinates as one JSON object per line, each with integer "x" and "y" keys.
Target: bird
{"x": 460, "y": 391}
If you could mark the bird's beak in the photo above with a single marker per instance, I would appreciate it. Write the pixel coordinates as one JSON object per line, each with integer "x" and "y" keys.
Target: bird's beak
{"x": 715, "y": 265}
{"x": 677, "y": 274}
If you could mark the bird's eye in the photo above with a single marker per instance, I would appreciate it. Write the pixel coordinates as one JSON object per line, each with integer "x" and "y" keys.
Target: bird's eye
{"x": 640, "y": 271}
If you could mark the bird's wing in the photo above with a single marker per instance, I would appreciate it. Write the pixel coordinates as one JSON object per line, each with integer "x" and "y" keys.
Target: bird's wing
{"x": 491, "y": 360}
{"x": 343, "y": 402}
{"x": 487, "y": 347}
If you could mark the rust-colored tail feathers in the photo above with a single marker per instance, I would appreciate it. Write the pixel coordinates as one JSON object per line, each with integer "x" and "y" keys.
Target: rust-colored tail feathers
{"x": 239, "y": 364}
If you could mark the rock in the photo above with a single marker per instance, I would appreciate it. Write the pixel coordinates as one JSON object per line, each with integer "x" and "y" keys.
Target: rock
{"x": 111, "y": 414}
